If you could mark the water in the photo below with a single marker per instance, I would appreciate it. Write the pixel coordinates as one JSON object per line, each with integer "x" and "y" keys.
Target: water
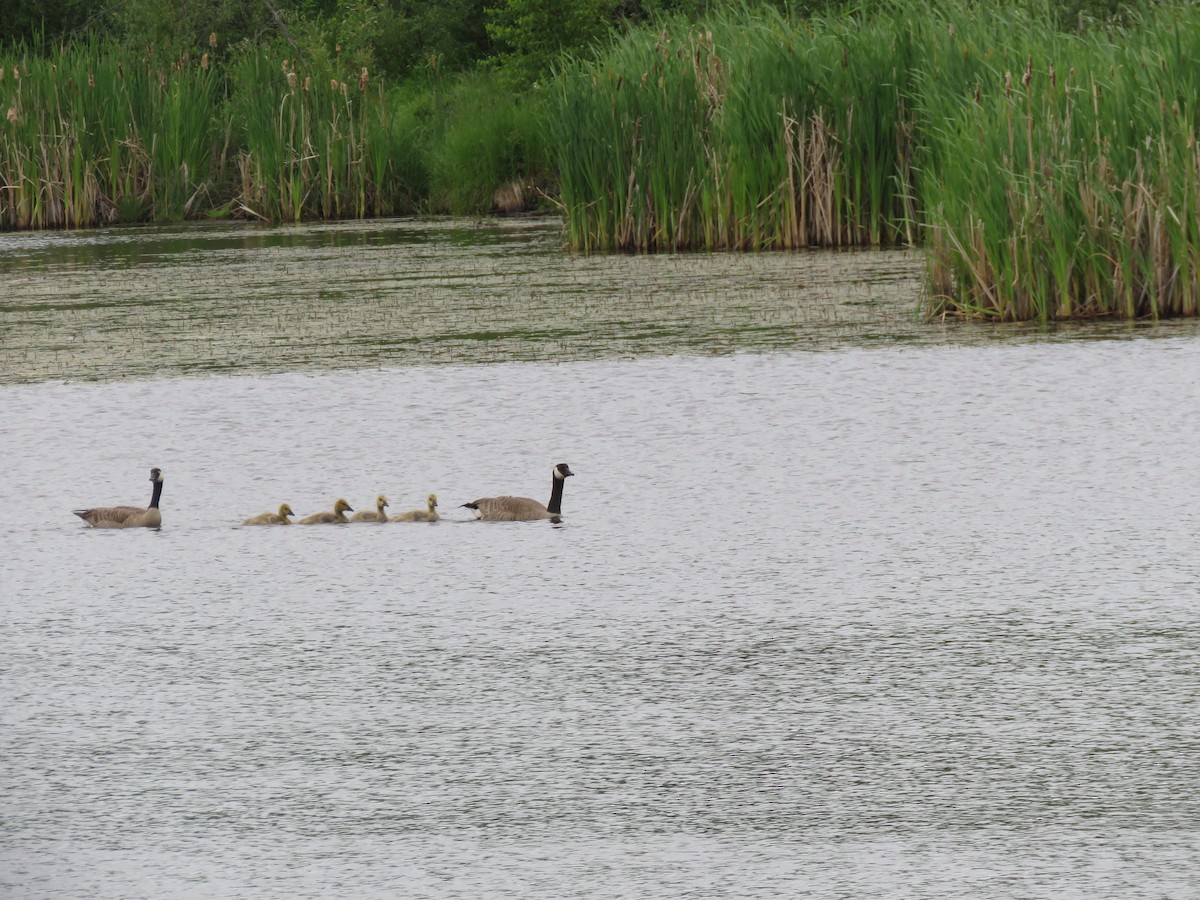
{"x": 911, "y": 618}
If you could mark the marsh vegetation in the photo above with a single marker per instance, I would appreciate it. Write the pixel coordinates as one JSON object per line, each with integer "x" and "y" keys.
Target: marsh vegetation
{"x": 1048, "y": 164}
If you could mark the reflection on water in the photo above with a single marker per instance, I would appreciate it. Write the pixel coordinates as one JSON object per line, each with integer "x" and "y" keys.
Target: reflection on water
{"x": 194, "y": 299}
{"x": 912, "y": 619}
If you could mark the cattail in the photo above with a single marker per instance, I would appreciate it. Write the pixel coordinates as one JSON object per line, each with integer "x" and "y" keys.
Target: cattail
{"x": 204, "y": 61}
{"x": 16, "y": 74}
{"x": 306, "y": 81}
{"x": 1053, "y": 77}
{"x": 345, "y": 87}
{"x": 12, "y": 115}
{"x": 362, "y": 80}
{"x": 1028, "y": 76}
{"x": 91, "y": 80}
{"x": 291, "y": 79}
{"x": 1008, "y": 84}
{"x": 212, "y": 40}
{"x": 121, "y": 71}
{"x": 337, "y": 48}
{"x": 285, "y": 66}
{"x": 333, "y": 85}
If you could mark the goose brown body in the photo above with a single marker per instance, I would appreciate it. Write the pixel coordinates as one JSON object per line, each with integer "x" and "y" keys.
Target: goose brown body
{"x": 429, "y": 514}
{"x": 336, "y": 517}
{"x": 127, "y": 516}
{"x": 272, "y": 518}
{"x": 523, "y": 509}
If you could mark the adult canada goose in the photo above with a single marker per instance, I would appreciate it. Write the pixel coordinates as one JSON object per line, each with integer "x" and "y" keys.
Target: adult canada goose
{"x": 523, "y": 509}
{"x": 340, "y": 508}
{"x": 420, "y": 515}
{"x": 372, "y": 515}
{"x": 127, "y": 516}
{"x": 272, "y": 518}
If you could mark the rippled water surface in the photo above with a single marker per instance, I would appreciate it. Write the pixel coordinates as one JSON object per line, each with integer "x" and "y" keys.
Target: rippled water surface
{"x": 913, "y": 618}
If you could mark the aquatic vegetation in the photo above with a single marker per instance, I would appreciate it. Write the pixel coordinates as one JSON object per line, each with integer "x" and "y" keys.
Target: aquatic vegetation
{"x": 1050, "y": 173}
{"x": 95, "y": 134}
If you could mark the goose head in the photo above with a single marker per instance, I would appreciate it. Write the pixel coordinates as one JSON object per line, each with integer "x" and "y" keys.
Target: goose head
{"x": 285, "y": 511}
{"x": 562, "y": 470}
{"x": 342, "y": 506}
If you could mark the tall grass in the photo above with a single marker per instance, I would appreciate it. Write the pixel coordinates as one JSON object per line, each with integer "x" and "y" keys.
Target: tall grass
{"x": 85, "y": 135}
{"x": 1051, "y": 173}
{"x": 1067, "y": 186}
{"x": 751, "y": 131}
{"x": 96, "y": 134}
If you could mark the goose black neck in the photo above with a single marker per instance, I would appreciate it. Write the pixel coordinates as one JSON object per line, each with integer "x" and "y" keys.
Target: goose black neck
{"x": 556, "y": 496}
{"x": 157, "y": 493}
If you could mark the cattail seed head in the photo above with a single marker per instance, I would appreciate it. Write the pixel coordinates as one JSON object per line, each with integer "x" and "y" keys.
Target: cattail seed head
{"x": 285, "y": 65}
{"x": 333, "y": 85}
{"x": 1053, "y": 78}
{"x": 362, "y": 80}
{"x": 345, "y": 87}
{"x": 12, "y": 115}
{"x": 1028, "y": 76}
{"x": 337, "y": 48}
{"x": 212, "y": 40}
{"x": 291, "y": 79}
{"x": 204, "y": 61}
{"x": 91, "y": 80}
{"x": 1008, "y": 84}
{"x": 16, "y": 74}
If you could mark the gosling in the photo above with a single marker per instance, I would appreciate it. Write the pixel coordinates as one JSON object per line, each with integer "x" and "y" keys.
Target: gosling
{"x": 420, "y": 515}
{"x": 372, "y": 515}
{"x": 338, "y": 516}
{"x": 283, "y": 517}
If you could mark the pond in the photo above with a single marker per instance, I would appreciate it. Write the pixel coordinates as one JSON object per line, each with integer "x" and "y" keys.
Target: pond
{"x": 843, "y": 603}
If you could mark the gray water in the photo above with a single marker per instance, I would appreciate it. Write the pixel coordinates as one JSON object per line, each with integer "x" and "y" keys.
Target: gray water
{"x": 914, "y": 617}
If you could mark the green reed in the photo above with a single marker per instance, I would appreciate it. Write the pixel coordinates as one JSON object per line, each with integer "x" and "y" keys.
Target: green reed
{"x": 96, "y": 134}
{"x": 750, "y": 131}
{"x": 1066, "y": 185}
{"x": 1049, "y": 173}
{"x": 84, "y": 129}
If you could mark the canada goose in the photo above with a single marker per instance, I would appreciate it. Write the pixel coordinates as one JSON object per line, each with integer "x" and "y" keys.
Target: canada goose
{"x": 523, "y": 509}
{"x": 270, "y": 518}
{"x": 372, "y": 515}
{"x": 420, "y": 515}
{"x": 127, "y": 516}
{"x": 340, "y": 508}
